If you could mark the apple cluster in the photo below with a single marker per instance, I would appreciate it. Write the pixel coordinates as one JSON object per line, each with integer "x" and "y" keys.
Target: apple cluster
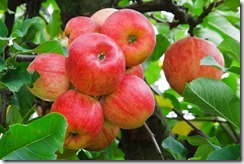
{"x": 99, "y": 86}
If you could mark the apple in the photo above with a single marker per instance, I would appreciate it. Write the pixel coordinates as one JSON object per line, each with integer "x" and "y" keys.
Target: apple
{"x": 84, "y": 116}
{"x": 80, "y": 25}
{"x": 182, "y": 62}
{"x": 130, "y": 105}
{"x": 105, "y": 138}
{"x": 101, "y": 15}
{"x": 133, "y": 32}
{"x": 53, "y": 80}
{"x": 135, "y": 70}
{"x": 95, "y": 64}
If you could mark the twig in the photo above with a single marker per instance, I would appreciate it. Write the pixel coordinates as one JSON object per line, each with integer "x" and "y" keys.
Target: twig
{"x": 22, "y": 58}
{"x": 232, "y": 136}
{"x": 5, "y": 93}
{"x": 154, "y": 141}
{"x": 189, "y": 123}
{"x": 234, "y": 132}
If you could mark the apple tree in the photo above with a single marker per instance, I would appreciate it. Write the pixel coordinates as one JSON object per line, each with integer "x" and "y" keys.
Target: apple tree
{"x": 201, "y": 123}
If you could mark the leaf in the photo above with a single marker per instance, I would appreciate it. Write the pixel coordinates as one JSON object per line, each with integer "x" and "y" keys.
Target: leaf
{"x": 52, "y": 46}
{"x": 13, "y": 115}
{"x": 152, "y": 72}
{"x": 230, "y": 47}
{"x": 3, "y": 5}
{"x": 230, "y": 152}
{"x": 15, "y": 78}
{"x": 161, "y": 45}
{"x": 3, "y": 28}
{"x": 3, "y": 64}
{"x": 38, "y": 140}
{"x": 214, "y": 97}
{"x": 181, "y": 128}
{"x": 203, "y": 151}
{"x": 210, "y": 61}
{"x": 230, "y": 4}
{"x": 54, "y": 26}
{"x": 178, "y": 151}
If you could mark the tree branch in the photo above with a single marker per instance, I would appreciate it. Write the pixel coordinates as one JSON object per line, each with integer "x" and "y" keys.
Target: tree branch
{"x": 5, "y": 94}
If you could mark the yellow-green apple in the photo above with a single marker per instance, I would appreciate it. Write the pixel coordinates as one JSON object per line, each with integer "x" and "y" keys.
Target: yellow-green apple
{"x": 53, "y": 80}
{"x": 101, "y": 15}
{"x": 95, "y": 64}
{"x": 182, "y": 62}
{"x": 105, "y": 138}
{"x": 80, "y": 25}
{"x": 135, "y": 70}
{"x": 84, "y": 116}
{"x": 130, "y": 105}
{"x": 134, "y": 34}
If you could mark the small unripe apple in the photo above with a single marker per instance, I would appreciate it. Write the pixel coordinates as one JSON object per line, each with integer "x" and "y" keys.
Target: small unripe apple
{"x": 95, "y": 64}
{"x": 101, "y": 15}
{"x": 80, "y": 25}
{"x": 105, "y": 138}
{"x": 182, "y": 62}
{"x": 135, "y": 70}
{"x": 84, "y": 116}
{"x": 134, "y": 34}
{"x": 53, "y": 80}
{"x": 130, "y": 105}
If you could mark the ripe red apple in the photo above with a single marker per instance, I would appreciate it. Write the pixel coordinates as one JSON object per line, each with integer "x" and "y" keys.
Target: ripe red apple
{"x": 134, "y": 34}
{"x": 182, "y": 62}
{"x": 84, "y": 117}
{"x": 80, "y": 25}
{"x": 95, "y": 64}
{"x": 101, "y": 15}
{"x": 53, "y": 80}
{"x": 135, "y": 70}
{"x": 130, "y": 105}
{"x": 105, "y": 138}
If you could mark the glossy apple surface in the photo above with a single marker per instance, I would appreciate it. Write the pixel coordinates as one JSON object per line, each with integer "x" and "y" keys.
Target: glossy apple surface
{"x": 101, "y": 15}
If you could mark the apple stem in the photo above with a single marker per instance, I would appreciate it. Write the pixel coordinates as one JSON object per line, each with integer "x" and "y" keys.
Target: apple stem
{"x": 132, "y": 39}
{"x": 154, "y": 141}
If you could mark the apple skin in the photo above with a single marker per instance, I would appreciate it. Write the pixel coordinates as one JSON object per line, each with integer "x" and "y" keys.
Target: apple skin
{"x": 135, "y": 70}
{"x": 134, "y": 34}
{"x": 101, "y": 15}
{"x": 182, "y": 62}
{"x": 84, "y": 116}
{"x": 80, "y": 25}
{"x": 53, "y": 80}
{"x": 130, "y": 105}
{"x": 95, "y": 64}
{"x": 105, "y": 138}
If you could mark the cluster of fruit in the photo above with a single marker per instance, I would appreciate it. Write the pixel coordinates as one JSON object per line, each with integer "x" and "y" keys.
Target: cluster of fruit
{"x": 99, "y": 86}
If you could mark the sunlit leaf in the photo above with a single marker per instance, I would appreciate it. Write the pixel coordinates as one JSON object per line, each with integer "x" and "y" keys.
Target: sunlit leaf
{"x": 152, "y": 72}
{"x": 181, "y": 128}
{"x": 38, "y": 140}
{"x": 215, "y": 97}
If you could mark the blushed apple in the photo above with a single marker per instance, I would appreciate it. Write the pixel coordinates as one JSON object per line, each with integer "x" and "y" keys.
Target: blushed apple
{"x": 95, "y": 64}
{"x": 105, "y": 138}
{"x": 80, "y": 25}
{"x": 84, "y": 116}
{"x": 53, "y": 80}
{"x": 133, "y": 32}
{"x": 135, "y": 70}
{"x": 130, "y": 105}
{"x": 182, "y": 62}
{"x": 101, "y": 15}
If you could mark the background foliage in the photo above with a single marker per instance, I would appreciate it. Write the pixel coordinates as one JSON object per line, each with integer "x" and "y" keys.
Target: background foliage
{"x": 202, "y": 124}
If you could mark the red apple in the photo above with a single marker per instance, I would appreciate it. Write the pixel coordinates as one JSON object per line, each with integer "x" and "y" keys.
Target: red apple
{"x": 182, "y": 62}
{"x": 134, "y": 34}
{"x": 135, "y": 70}
{"x": 80, "y": 25}
{"x": 84, "y": 117}
{"x": 95, "y": 64}
{"x": 105, "y": 138}
{"x": 101, "y": 15}
{"x": 130, "y": 105}
{"x": 53, "y": 80}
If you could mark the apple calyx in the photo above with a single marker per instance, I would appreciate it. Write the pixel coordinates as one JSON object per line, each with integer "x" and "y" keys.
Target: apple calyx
{"x": 101, "y": 56}
{"x": 132, "y": 39}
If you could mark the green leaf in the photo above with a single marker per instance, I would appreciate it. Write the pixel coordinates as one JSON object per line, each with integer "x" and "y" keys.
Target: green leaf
{"x": 203, "y": 151}
{"x": 178, "y": 151}
{"x": 3, "y": 64}
{"x": 3, "y": 5}
{"x": 15, "y": 78}
{"x": 52, "y": 46}
{"x": 13, "y": 115}
{"x": 230, "y": 4}
{"x": 54, "y": 26}
{"x": 161, "y": 45}
{"x": 2, "y": 129}
{"x": 210, "y": 61}
{"x": 214, "y": 97}
{"x": 38, "y": 140}
{"x": 230, "y": 47}
{"x": 152, "y": 72}
{"x": 230, "y": 152}
{"x": 3, "y": 28}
